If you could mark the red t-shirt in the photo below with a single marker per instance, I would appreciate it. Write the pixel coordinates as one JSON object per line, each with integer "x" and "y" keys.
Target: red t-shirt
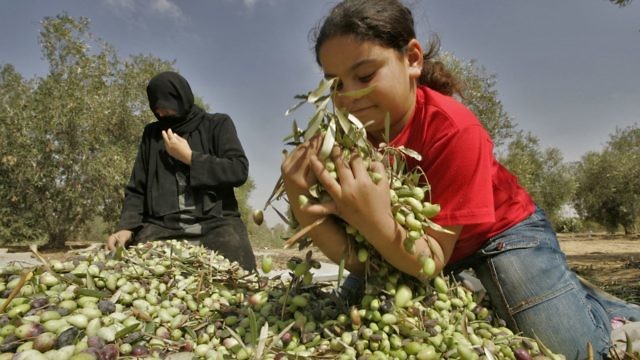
{"x": 472, "y": 188}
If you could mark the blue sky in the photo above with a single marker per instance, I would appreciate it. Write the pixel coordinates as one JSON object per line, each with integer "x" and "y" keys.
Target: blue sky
{"x": 567, "y": 71}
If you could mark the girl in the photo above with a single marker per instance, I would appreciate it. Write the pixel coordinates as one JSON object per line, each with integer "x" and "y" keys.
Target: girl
{"x": 495, "y": 227}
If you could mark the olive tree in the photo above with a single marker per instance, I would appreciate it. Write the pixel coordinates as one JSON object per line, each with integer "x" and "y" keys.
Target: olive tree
{"x": 542, "y": 172}
{"x": 73, "y": 133}
{"x": 608, "y": 190}
{"x": 481, "y": 97}
{"x": 16, "y": 219}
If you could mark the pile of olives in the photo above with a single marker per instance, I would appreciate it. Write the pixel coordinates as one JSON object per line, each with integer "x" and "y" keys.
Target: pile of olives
{"x": 174, "y": 300}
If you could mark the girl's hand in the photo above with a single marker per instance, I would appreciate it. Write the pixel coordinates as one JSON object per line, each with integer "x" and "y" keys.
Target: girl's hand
{"x": 356, "y": 198}
{"x": 366, "y": 205}
{"x": 298, "y": 177}
{"x": 177, "y": 146}
{"x": 363, "y": 203}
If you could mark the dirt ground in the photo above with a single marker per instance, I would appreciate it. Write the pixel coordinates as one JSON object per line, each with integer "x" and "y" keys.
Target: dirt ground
{"x": 610, "y": 261}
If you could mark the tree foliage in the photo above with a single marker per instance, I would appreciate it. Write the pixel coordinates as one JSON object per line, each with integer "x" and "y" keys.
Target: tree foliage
{"x": 621, "y": 3}
{"x": 542, "y": 172}
{"x": 16, "y": 220}
{"x": 481, "y": 97}
{"x": 69, "y": 138}
{"x": 608, "y": 190}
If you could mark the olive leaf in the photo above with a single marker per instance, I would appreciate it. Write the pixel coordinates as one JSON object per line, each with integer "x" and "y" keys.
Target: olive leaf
{"x": 294, "y": 107}
{"x": 344, "y": 122}
{"x": 329, "y": 140}
{"x": 319, "y": 92}
{"x": 411, "y": 153}
{"x": 315, "y": 123}
{"x": 358, "y": 93}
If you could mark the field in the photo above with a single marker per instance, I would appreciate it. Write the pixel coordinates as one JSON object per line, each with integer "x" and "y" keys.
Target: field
{"x": 609, "y": 261}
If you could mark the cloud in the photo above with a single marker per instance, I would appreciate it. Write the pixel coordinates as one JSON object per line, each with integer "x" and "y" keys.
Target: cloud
{"x": 131, "y": 9}
{"x": 121, "y": 5}
{"x": 166, "y": 7}
{"x": 249, "y": 3}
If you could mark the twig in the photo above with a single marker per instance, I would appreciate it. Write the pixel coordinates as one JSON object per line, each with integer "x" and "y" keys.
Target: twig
{"x": 24, "y": 277}
{"x": 277, "y": 191}
{"x": 297, "y": 236}
{"x": 34, "y": 250}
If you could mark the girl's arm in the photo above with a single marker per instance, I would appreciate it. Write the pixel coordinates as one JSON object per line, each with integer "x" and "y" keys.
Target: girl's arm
{"x": 366, "y": 206}
{"x": 329, "y": 236}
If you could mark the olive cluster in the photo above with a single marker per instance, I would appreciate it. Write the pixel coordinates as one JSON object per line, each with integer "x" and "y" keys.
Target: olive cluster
{"x": 409, "y": 189}
{"x": 174, "y": 300}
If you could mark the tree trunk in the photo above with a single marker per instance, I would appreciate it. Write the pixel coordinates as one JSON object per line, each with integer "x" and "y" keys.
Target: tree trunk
{"x": 630, "y": 229}
{"x": 56, "y": 241}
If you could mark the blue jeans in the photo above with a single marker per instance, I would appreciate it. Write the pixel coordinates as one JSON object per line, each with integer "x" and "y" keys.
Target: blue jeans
{"x": 532, "y": 288}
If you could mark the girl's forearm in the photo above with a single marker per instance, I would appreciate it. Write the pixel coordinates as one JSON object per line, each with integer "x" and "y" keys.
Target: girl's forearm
{"x": 331, "y": 239}
{"x": 389, "y": 242}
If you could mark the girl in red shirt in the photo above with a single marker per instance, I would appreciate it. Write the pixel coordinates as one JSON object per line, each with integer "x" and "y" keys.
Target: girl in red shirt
{"x": 494, "y": 226}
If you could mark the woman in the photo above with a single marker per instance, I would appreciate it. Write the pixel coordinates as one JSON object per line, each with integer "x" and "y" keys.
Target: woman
{"x": 183, "y": 179}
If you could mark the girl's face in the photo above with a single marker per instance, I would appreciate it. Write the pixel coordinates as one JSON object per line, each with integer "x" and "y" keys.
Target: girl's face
{"x": 393, "y": 76}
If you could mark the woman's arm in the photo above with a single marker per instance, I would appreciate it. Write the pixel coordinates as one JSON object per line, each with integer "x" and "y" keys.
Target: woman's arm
{"x": 229, "y": 166}
{"x": 132, "y": 214}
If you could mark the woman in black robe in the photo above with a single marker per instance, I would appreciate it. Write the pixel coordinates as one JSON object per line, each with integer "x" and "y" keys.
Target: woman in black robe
{"x": 183, "y": 179}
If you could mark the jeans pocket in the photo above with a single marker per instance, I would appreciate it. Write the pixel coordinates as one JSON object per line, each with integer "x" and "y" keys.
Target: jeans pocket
{"x": 499, "y": 245}
{"x": 522, "y": 270}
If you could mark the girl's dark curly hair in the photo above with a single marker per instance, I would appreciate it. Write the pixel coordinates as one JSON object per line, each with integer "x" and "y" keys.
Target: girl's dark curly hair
{"x": 390, "y": 24}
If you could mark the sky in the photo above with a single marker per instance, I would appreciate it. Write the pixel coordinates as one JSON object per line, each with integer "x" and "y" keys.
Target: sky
{"x": 566, "y": 71}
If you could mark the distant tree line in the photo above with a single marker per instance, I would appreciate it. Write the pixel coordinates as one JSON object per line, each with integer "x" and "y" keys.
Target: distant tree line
{"x": 68, "y": 140}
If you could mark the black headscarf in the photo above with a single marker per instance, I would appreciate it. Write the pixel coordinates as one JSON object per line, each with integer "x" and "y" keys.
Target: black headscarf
{"x": 169, "y": 90}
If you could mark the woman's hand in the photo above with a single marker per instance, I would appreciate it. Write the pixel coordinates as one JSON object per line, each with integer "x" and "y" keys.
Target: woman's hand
{"x": 119, "y": 239}
{"x": 177, "y": 146}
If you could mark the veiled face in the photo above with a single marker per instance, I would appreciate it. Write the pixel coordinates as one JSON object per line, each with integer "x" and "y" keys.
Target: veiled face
{"x": 171, "y": 92}
{"x": 163, "y": 112}
{"x": 392, "y": 75}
